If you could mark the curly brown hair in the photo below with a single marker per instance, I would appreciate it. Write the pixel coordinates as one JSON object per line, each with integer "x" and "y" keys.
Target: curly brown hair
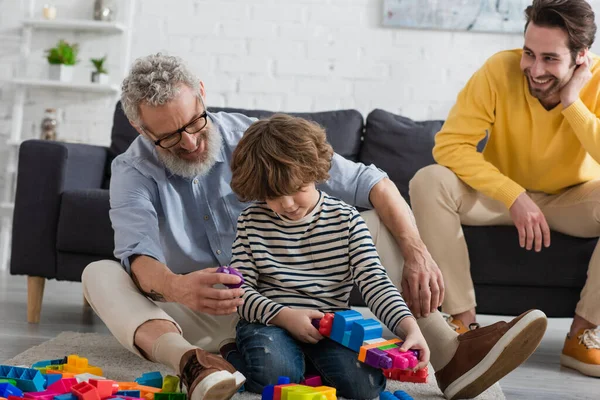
{"x": 279, "y": 155}
{"x": 575, "y": 17}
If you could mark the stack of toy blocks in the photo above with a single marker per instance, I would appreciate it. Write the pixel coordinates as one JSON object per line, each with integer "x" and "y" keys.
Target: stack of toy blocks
{"x": 350, "y": 329}
{"x": 72, "y": 378}
{"x": 397, "y": 395}
{"x": 284, "y": 390}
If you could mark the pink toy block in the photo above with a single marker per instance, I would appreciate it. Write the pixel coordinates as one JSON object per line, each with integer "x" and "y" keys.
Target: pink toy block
{"x": 402, "y": 360}
{"x": 45, "y": 395}
{"x": 85, "y": 391}
{"x": 63, "y": 386}
{"x": 312, "y": 381}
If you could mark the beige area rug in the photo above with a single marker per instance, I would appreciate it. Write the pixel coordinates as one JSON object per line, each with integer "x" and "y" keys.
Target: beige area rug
{"x": 118, "y": 364}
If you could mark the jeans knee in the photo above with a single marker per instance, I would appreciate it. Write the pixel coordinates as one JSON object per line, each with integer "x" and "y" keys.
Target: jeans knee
{"x": 265, "y": 367}
{"x": 367, "y": 383}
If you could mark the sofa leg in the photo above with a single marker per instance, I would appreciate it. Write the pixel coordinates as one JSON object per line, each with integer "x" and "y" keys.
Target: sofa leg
{"x": 35, "y": 294}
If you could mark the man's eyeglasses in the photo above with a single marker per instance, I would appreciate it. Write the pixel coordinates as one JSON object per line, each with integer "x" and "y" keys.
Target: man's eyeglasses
{"x": 194, "y": 126}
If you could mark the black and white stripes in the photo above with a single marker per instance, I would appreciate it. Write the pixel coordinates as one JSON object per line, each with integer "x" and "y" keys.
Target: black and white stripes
{"x": 311, "y": 263}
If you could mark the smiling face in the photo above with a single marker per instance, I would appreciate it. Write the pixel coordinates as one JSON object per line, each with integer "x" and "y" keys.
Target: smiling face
{"x": 547, "y": 62}
{"x": 297, "y": 205}
{"x": 194, "y": 154}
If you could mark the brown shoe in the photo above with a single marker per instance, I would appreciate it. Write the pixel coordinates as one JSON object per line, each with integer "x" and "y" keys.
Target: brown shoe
{"x": 487, "y": 354}
{"x": 208, "y": 377}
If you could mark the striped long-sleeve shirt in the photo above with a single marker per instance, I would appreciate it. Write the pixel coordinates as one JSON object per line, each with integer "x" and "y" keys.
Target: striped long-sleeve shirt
{"x": 311, "y": 263}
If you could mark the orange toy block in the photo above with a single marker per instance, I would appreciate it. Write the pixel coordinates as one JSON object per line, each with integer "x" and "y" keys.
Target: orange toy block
{"x": 146, "y": 392}
{"x": 328, "y": 391}
{"x": 79, "y": 365}
{"x": 363, "y": 349}
{"x": 127, "y": 385}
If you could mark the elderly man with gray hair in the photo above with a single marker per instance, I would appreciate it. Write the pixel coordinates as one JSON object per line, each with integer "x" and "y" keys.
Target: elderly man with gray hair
{"x": 174, "y": 216}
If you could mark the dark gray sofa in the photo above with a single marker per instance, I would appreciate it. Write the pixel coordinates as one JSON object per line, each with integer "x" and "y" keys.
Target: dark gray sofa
{"x": 61, "y": 221}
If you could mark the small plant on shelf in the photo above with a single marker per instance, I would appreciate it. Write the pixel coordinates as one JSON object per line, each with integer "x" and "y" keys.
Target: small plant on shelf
{"x": 100, "y": 75}
{"x": 62, "y": 59}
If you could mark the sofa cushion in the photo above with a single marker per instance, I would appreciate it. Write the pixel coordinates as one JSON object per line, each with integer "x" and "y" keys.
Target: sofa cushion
{"x": 398, "y": 145}
{"x": 344, "y": 127}
{"x": 84, "y": 224}
{"x": 122, "y": 134}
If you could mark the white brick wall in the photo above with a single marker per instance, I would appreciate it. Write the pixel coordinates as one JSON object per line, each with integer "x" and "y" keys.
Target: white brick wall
{"x": 302, "y": 55}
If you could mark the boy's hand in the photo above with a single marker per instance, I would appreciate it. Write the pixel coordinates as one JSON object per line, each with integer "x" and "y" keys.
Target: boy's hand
{"x": 414, "y": 340}
{"x": 298, "y": 323}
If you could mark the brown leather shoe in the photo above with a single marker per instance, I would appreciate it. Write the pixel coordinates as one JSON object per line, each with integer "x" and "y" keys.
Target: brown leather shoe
{"x": 487, "y": 354}
{"x": 208, "y": 377}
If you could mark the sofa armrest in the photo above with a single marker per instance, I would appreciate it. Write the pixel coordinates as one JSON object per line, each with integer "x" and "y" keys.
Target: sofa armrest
{"x": 46, "y": 169}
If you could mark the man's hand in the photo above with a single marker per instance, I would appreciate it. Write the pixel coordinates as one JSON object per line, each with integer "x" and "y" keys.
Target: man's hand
{"x": 530, "y": 222}
{"x": 298, "y": 323}
{"x": 195, "y": 290}
{"x": 582, "y": 74}
{"x": 422, "y": 282}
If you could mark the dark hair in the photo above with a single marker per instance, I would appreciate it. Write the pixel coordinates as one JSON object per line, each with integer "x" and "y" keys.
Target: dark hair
{"x": 277, "y": 156}
{"x": 575, "y": 17}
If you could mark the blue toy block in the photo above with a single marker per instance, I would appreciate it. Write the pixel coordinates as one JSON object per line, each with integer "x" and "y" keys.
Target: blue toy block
{"x": 153, "y": 379}
{"x": 28, "y": 379}
{"x": 6, "y": 389}
{"x": 402, "y": 395}
{"x": 342, "y": 322}
{"x": 283, "y": 380}
{"x": 45, "y": 363}
{"x": 268, "y": 392}
{"x": 68, "y": 396}
{"x": 364, "y": 330}
{"x": 387, "y": 396}
{"x": 129, "y": 393}
{"x": 346, "y": 339}
{"x": 51, "y": 378}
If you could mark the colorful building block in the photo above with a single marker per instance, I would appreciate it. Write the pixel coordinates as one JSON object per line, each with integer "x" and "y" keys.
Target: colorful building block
{"x": 170, "y": 384}
{"x": 66, "y": 396}
{"x": 312, "y": 381}
{"x": 362, "y": 354}
{"x": 46, "y": 363}
{"x": 231, "y": 271}
{"x": 342, "y": 322}
{"x": 364, "y": 330}
{"x": 402, "y": 395}
{"x": 44, "y": 395}
{"x": 105, "y": 387}
{"x": 27, "y": 379}
{"x": 129, "y": 393}
{"x": 402, "y": 359}
{"x": 268, "y": 392}
{"x": 85, "y": 391}
{"x": 63, "y": 386}
{"x": 11, "y": 381}
{"x": 8, "y": 389}
{"x": 326, "y": 324}
{"x": 153, "y": 379}
{"x": 170, "y": 396}
{"x": 419, "y": 376}
{"x": 378, "y": 359}
{"x": 51, "y": 378}
{"x": 80, "y": 365}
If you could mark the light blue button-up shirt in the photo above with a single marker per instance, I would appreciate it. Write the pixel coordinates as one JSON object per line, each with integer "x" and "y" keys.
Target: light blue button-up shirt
{"x": 189, "y": 223}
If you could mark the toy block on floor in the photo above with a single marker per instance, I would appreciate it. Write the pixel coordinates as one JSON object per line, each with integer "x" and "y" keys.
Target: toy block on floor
{"x": 105, "y": 387}
{"x": 44, "y": 395}
{"x": 85, "y": 391}
{"x": 8, "y": 389}
{"x": 27, "y": 379}
{"x": 80, "y": 365}
{"x": 66, "y": 396}
{"x": 153, "y": 379}
{"x": 51, "y": 378}
{"x": 312, "y": 380}
{"x": 129, "y": 393}
{"x": 170, "y": 384}
{"x": 419, "y": 376}
{"x": 63, "y": 386}
{"x": 402, "y": 395}
{"x": 170, "y": 396}
{"x": 46, "y": 363}
{"x": 11, "y": 381}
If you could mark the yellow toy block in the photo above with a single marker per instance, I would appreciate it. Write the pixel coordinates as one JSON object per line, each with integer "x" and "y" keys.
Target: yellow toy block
{"x": 363, "y": 349}
{"x": 301, "y": 392}
{"x": 79, "y": 365}
{"x": 328, "y": 391}
{"x": 170, "y": 384}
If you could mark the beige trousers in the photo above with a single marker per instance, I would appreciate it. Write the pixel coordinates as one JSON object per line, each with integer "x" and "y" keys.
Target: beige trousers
{"x": 441, "y": 201}
{"x": 118, "y": 302}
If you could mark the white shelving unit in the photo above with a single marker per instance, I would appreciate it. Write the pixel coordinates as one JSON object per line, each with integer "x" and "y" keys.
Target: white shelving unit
{"x": 23, "y": 85}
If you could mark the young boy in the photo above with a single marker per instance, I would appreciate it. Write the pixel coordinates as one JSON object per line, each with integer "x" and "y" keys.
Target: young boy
{"x": 300, "y": 251}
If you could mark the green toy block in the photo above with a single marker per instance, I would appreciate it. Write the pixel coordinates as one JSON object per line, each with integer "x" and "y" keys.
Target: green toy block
{"x": 170, "y": 396}
{"x": 11, "y": 381}
{"x": 389, "y": 346}
{"x": 170, "y": 384}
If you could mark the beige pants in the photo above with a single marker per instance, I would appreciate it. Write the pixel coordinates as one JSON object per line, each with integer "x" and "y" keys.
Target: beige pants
{"x": 441, "y": 202}
{"x": 118, "y": 302}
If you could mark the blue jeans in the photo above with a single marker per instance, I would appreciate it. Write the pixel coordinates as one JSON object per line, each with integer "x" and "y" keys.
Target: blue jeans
{"x": 267, "y": 352}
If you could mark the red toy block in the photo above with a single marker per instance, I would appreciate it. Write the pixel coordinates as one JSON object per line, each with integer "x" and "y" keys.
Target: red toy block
{"x": 326, "y": 324}
{"x": 63, "y": 386}
{"x": 85, "y": 391}
{"x": 419, "y": 376}
{"x": 105, "y": 387}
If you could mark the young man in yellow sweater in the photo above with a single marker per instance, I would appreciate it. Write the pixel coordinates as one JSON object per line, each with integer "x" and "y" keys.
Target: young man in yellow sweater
{"x": 540, "y": 167}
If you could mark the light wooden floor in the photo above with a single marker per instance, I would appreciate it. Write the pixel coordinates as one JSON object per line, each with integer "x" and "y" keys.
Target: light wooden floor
{"x": 541, "y": 377}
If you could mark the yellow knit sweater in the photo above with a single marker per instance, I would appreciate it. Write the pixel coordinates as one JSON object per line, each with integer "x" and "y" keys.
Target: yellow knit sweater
{"x": 529, "y": 148}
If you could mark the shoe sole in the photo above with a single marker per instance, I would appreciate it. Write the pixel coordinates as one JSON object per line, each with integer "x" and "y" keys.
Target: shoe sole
{"x": 586, "y": 369}
{"x": 221, "y": 385}
{"x": 515, "y": 346}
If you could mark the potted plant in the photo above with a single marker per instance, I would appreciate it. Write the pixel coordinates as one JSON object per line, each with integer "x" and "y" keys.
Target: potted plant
{"x": 100, "y": 75}
{"x": 62, "y": 58}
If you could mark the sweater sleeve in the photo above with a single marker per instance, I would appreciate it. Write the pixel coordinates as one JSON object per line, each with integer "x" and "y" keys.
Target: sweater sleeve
{"x": 376, "y": 288}
{"x": 456, "y": 144}
{"x": 586, "y": 126}
{"x": 256, "y": 307}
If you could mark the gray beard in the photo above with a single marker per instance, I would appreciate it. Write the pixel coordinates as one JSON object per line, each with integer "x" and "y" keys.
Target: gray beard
{"x": 198, "y": 168}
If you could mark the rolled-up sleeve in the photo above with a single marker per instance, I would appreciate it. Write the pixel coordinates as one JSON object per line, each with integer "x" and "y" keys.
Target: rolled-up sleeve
{"x": 133, "y": 214}
{"x": 352, "y": 182}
